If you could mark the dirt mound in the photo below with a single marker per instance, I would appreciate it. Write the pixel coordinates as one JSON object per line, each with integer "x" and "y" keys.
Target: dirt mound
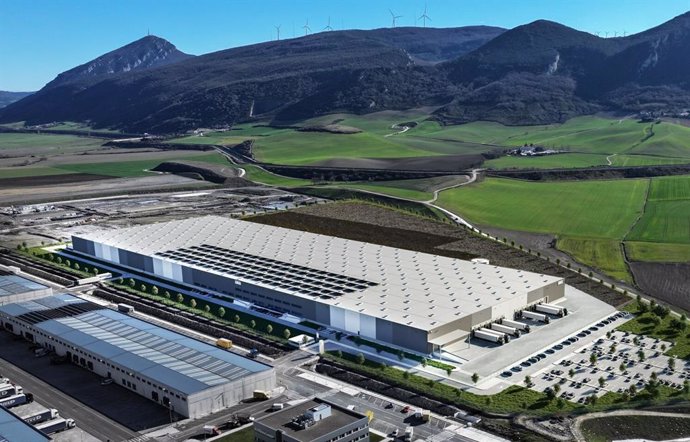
{"x": 443, "y": 163}
{"x": 331, "y": 128}
{"x": 668, "y": 282}
{"x": 215, "y": 173}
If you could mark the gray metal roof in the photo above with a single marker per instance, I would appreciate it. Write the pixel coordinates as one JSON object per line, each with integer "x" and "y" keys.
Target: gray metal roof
{"x": 11, "y": 284}
{"x": 407, "y": 287}
{"x": 165, "y": 357}
{"x": 14, "y": 429}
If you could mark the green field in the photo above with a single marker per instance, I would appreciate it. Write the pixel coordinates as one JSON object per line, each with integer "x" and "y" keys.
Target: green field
{"x": 604, "y": 254}
{"x": 40, "y": 144}
{"x": 657, "y": 252}
{"x": 421, "y": 189}
{"x": 645, "y": 160}
{"x": 667, "y": 214}
{"x": 593, "y": 209}
{"x": 259, "y": 175}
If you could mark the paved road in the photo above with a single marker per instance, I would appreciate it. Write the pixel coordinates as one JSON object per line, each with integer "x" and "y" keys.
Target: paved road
{"x": 87, "y": 419}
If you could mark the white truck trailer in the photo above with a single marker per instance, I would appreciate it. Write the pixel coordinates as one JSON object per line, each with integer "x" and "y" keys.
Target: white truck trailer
{"x": 485, "y": 335}
{"x": 505, "y": 329}
{"x": 8, "y": 390}
{"x": 536, "y": 316}
{"x": 56, "y": 425}
{"x": 14, "y": 401}
{"x": 516, "y": 324}
{"x": 505, "y": 337}
{"x": 549, "y": 310}
{"x": 43, "y": 416}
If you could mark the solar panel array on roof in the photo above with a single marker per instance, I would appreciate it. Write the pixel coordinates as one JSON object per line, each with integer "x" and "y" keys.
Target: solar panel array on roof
{"x": 279, "y": 274}
{"x": 11, "y": 284}
{"x": 40, "y": 305}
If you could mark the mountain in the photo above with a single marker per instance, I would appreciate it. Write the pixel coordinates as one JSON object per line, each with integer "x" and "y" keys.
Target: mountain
{"x": 544, "y": 72}
{"x": 145, "y": 53}
{"x": 301, "y": 77}
{"x": 7, "y": 97}
{"x": 541, "y": 72}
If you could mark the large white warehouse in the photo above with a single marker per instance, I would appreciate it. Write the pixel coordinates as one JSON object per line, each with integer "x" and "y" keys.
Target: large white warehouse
{"x": 188, "y": 376}
{"x": 414, "y": 300}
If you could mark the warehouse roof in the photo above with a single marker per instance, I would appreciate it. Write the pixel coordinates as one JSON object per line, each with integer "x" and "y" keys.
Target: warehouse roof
{"x": 11, "y": 284}
{"x": 162, "y": 356}
{"x": 403, "y": 286}
{"x": 14, "y": 429}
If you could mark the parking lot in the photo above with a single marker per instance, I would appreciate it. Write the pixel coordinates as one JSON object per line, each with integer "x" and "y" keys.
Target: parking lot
{"x": 614, "y": 363}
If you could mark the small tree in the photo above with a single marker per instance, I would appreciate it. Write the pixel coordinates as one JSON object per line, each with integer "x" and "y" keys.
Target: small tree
{"x": 179, "y": 298}
{"x": 167, "y": 294}
{"x": 207, "y": 308}
{"x": 424, "y": 362}
{"x": 154, "y": 290}
{"x": 571, "y": 372}
{"x": 406, "y": 374}
{"x": 653, "y": 376}
{"x": 475, "y": 378}
{"x": 528, "y": 381}
{"x": 68, "y": 263}
{"x": 192, "y": 303}
{"x": 602, "y": 382}
{"x": 286, "y": 335}
{"x": 96, "y": 271}
{"x": 449, "y": 370}
{"x": 236, "y": 318}
{"x": 593, "y": 359}
{"x": 686, "y": 386}
{"x": 252, "y": 323}
{"x": 672, "y": 363}
{"x": 119, "y": 281}
{"x": 76, "y": 266}
{"x": 131, "y": 282}
{"x": 221, "y": 312}
{"x": 269, "y": 329}
{"x": 360, "y": 358}
{"x": 550, "y": 394}
{"x": 58, "y": 260}
{"x": 143, "y": 288}
{"x": 612, "y": 348}
{"x": 640, "y": 355}
{"x": 622, "y": 368}
{"x": 401, "y": 355}
{"x": 556, "y": 388}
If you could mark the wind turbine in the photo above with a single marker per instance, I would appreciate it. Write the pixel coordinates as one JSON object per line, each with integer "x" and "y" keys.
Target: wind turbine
{"x": 424, "y": 16}
{"x": 624, "y": 33}
{"x": 306, "y": 28}
{"x": 328, "y": 26}
{"x": 615, "y": 33}
{"x": 597, "y": 33}
{"x": 278, "y": 31}
{"x": 606, "y": 33}
{"x": 395, "y": 17}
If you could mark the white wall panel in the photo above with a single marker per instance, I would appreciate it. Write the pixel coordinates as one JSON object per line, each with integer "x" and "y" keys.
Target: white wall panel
{"x": 158, "y": 267}
{"x": 338, "y": 317}
{"x": 352, "y": 321}
{"x": 367, "y": 326}
{"x": 98, "y": 249}
{"x": 176, "y": 272}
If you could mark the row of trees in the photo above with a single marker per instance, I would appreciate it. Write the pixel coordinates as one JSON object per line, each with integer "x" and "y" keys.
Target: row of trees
{"x": 193, "y": 303}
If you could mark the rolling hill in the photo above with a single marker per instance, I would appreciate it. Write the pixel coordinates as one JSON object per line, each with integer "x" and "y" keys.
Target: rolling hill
{"x": 541, "y": 72}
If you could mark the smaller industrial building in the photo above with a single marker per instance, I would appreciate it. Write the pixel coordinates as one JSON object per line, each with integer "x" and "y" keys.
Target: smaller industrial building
{"x": 14, "y": 288}
{"x": 187, "y": 376}
{"x": 315, "y": 420}
{"x": 14, "y": 429}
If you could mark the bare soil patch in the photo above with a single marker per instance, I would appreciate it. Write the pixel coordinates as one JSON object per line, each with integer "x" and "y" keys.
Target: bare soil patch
{"x": 637, "y": 427}
{"x": 444, "y": 163}
{"x": 668, "y": 282}
{"x": 378, "y": 225}
{"x": 50, "y": 180}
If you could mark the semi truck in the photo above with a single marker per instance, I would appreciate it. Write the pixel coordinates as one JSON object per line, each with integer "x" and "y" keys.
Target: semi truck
{"x": 535, "y": 316}
{"x": 4, "y": 381}
{"x": 43, "y": 416}
{"x": 14, "y": 401}
{"x": 516, "y": 324}
{"x": 8, "y": 390}
{"x": 505, "y": 329}
{"x": 56, "y": 425}
{"x": 505, "y": 337}
{"x": 423, "y": 415}
{"x": 224, "y": 343}
{"x": 552, "y": 309}
{"x": 483, "y": 334}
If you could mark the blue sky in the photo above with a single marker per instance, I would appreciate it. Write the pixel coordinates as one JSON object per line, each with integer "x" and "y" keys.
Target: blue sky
{"x": 41, "y": 38}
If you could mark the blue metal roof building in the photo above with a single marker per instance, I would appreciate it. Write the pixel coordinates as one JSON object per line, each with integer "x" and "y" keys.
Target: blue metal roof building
{"x": 191, "y": 377}
{"x": 14, "y": 429}
{"x": 14, "y": 288}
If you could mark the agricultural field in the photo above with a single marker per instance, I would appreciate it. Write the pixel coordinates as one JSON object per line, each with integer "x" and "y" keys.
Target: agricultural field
{"x": 566, "y": 160}
{"x": 605, "y": 429}
{"x": 416, "y": 189}
{"x": 593, "y": 209}
{"x": 45, "y": 144}
{"x": 604, "y": 254}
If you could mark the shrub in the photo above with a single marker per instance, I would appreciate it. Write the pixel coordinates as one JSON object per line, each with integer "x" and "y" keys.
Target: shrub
{"x": 269, "y": 329}
{"x": 192, "y": 303}
{"x": 179, "y": 298}
{"x": 207, "y": 308}
{"x": 475, "y": 378}
{"x": 221, "y": 312}
{"x": 236, "y": 318}
{"x": 252, "y": 323}
{"x": 360, "y": 358}
{"x": 166, "y": 294}
{"x": 154, "y": 290}
{"x": 286, "y": 335}
{"x": 143, "y": 288}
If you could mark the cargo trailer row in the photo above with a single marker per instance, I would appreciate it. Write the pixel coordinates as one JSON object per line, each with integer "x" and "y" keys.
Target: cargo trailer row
{"x": 488, "y": 335}
{"x": 535, "y": 316}
{"x": 516, "y": 324}
{"x": 552, "y": 310}
{"x": 505, "y": 329}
